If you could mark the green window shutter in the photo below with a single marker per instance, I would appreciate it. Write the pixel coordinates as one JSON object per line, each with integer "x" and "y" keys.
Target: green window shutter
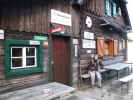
{"x": 114, "y": 10}
{"x": 22, "y": 71}
{"x": 107, "y": 8}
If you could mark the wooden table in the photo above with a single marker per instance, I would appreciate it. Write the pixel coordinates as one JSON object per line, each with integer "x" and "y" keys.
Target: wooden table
{"x": 117, "y": 67}
{"x": 42, "y": 92}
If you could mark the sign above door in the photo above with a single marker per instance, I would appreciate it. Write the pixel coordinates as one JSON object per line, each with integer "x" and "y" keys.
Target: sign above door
{"x": 59, "y": 17}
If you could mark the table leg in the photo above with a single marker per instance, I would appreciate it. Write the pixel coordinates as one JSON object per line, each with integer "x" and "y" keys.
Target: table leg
{"x": 117, "y": 75}
{"x": 127, "y": 87}
{"x": 122, "y": 89}
{"x": 131, "y": 68}
{"x": 128, "y": 71}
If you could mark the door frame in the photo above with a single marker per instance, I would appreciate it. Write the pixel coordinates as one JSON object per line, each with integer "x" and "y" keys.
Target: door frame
{"x": 50, "y": 72}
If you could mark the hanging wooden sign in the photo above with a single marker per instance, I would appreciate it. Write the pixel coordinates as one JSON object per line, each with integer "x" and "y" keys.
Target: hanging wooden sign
{"x": 58, "y": 28}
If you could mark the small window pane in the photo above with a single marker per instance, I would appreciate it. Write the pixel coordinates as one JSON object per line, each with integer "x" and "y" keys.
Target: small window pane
{"x": 30, "y": 61}
{"x": 30, "y": 51}
{"x": 120, "y": 45}
{"x": 114, "y": 9}
{"x": 123, "y": 41}
{"x": 16, "y": 62}
{"x": 106, "y": 48}
{"x": 16, "y": 52}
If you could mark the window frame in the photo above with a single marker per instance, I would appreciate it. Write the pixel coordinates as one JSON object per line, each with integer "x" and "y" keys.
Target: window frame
{"x": 24, "y": 56}
{"x": 110, "y": 8}
{"x": 107, "y": 8}
{"x": 22, "y": 71}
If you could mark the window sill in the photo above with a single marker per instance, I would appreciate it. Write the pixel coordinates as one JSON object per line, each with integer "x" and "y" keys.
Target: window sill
{"x": 23, "y": 72}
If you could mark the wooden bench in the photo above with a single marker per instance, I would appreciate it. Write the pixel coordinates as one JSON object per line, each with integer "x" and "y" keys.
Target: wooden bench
{"x": 87, "y": 75}
{"x": 126, "y": 80}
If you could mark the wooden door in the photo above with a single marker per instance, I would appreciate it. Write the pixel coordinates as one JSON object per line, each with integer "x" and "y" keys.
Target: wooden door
{"x": 115, "y": 47}
{"x": 111, "y": 48}
{"x": 61, "y": 59}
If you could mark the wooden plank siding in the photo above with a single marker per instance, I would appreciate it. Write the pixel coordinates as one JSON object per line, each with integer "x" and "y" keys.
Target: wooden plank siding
{"x": 96, "y": 9}
{"x": 22, "y": 19}
{"x": 32, "y": 15}
{"x": 95, "y": 6}
{"x": 24, "y": 81}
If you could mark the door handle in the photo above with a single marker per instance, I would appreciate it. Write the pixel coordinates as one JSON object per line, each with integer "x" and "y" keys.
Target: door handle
{"x": 52, "y": 62}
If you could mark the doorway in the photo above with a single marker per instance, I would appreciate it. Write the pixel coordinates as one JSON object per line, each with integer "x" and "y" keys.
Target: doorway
{"x": 61, "y": 59}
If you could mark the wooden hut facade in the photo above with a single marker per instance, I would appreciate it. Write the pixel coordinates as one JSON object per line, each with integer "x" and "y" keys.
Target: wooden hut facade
{"x": 50, "y": 40}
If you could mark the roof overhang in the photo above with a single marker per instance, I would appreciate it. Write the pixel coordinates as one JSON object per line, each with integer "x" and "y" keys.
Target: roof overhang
{"x": 124, "y": 11}
{"x": 117, "y": 1}
{"x": 111, "y": 25}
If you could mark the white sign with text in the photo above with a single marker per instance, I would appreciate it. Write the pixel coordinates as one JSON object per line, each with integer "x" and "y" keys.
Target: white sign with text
{"x": 59, "y": 17}
{"x": 88, "y": 35}
{"x": 88, "y": 43}
{"x": 32, "y": 42}
{"x": 75, "y": 41}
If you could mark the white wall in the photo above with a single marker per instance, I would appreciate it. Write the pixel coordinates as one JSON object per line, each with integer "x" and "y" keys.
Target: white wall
{"x": 130, "y": 51}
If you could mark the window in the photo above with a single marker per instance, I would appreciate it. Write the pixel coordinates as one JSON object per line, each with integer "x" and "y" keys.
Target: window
{"x": 118, "y": 10}
{"x": 121, "y": 44}
{"x": 108, "y": 47}
{"x": 114, "y": 9}
{"x": 107, "y": 8}
{"x": 111, "y": 9}
{"x": 124, "y": 44}
{"x": 22, "y": 57}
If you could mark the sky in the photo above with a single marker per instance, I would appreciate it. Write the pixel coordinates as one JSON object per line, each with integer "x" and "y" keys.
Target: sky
{"x": 130, "y": 11}
{"x": 130, "y": 35}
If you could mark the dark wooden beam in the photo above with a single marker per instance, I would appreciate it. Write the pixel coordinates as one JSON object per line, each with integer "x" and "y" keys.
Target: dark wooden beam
{"x": 124, "y": 11}
{"x": 3, "y": 1}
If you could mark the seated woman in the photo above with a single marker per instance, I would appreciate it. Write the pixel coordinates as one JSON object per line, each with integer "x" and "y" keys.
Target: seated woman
{"x": 94, "y": 70}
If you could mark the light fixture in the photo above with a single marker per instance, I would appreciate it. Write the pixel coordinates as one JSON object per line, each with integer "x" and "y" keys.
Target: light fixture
{"x": 45, "y": 44}
{"x": 1, "y": 31}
